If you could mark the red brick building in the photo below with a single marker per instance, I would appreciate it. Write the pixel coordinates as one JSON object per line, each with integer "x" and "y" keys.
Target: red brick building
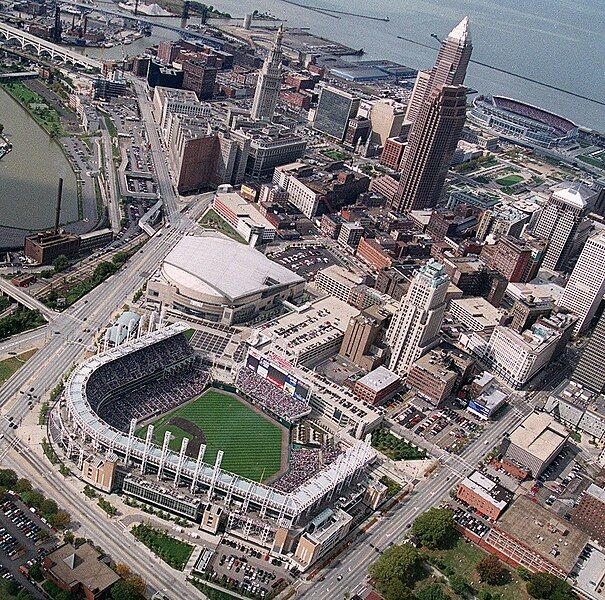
{"x": 589, "y": 514}
{"x": 377, "y": 385}
{"x": 515, "y": 259}
{"x": 485, "y": 496}
{"x": 79, "y": 571}
{"x": 392, "y": 153}
{"x": 372, "y": 252}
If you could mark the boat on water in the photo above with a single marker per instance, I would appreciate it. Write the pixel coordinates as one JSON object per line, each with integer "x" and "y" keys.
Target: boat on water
{"x": 5, "y": 147}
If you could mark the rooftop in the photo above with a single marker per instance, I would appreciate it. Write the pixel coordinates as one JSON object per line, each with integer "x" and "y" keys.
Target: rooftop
{"x": 544, "y": 533}
{"x": 486, "y": 488}
{"x": 305, "y": 329}
{"x": 539, "y": 434}
{"x": 378, "y": 379}
{"x": 81, "y": 565}
{"x": 220, "y": 266}
{"x": 479, "y": 310}
{"x": 576, "y": 194}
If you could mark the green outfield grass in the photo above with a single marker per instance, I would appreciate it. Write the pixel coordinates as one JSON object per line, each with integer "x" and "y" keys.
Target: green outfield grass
{"x": 250, "y": 442}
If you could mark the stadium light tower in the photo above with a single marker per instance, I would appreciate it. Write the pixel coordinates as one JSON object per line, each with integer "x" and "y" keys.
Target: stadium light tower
{"x": 165, "y": 445}
{"x": 198, "y": 467}
{"x": 148, "y": 438}
{"x": 179, "y": 467}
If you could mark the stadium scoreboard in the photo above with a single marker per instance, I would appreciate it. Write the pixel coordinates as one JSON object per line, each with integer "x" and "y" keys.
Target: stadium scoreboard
{"x": 275, "y": 370}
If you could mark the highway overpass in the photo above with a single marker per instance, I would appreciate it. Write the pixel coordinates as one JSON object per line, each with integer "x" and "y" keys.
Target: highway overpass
{"x": 46, "y": 48}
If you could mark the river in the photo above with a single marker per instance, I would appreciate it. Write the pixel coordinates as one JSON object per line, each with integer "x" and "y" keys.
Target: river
{"x": 560, "y": 42}
{"x": 29, "y": 175}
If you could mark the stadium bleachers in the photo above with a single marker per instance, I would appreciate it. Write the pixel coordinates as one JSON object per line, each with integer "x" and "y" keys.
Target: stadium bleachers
{"x": 139, "y": 365}
{"x": 560, "y": 124}
{"x": 304, "y": 464}
{"x": 270, "y": 397}
{"x": 140, "y": 385}
{"x": 154, "y": 398}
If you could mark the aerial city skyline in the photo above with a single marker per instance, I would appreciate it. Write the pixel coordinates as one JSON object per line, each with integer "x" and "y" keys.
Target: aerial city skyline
{"x": 279, "y": 317}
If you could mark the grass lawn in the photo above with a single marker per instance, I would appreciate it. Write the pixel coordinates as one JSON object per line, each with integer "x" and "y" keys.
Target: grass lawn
{"x": 509, "y": 180}
{"x": 169, "y": 549}
{"x": 394, "y": 447}
{"x": 213, "y": 220}
{"x": 11, "y": 365}
{"x": 336, "y": 154}
{"x": 47, "y": 117}
{"x": 463, "y": 558}
{"x": 251, "y": 443}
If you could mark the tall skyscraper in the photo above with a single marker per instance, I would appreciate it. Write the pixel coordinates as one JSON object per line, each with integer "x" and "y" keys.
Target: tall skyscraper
{"x": 269, "y": 82}
{"x": 438, "y": 109}
{"x": 335, "y": 109}
{"x": 563, "y": 223}
{"x": 586, "y": 286}
{"x": 589, "y": 371}
{"x": 415, "y": 326}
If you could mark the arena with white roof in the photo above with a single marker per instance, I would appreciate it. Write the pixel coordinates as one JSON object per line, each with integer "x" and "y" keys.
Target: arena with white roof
{"x": 220, "y": 280}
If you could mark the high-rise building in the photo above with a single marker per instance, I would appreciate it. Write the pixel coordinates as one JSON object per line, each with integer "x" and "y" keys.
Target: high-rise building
{"x": 269, "y": 82}
{"x": 386, "y": 117}
{"x": 586, "y": 285}
{"x": 438, "y": 110}
{"x": 589, "y": 371}
{"x": 450, "y": 68}
{"x": 563, "y": 223}
{"x": 415, "y": 326}
{"x": 335, "y": 109}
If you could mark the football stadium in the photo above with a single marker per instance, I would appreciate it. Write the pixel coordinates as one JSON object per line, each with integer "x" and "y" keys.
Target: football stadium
{"x": 148, "y": 419}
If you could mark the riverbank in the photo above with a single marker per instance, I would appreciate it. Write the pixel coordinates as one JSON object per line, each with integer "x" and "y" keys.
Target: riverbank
{"x": 47, "y": 117}
{"x": 44, "y": 150}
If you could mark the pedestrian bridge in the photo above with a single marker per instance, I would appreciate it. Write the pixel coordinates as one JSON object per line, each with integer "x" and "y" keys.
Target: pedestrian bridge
{"x": 46, "y": 48}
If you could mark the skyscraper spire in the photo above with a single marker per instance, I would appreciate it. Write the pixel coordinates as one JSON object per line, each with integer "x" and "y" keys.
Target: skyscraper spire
{"x": 269, "y": 82}
{"x": 461, "y": 32}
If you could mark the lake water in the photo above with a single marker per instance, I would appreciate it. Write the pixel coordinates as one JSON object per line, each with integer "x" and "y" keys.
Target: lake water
{"x": 560, "y": 42}
{"x": 29, "y": 175}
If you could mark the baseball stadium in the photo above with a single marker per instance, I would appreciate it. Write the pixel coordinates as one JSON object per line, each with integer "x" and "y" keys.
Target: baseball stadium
{"x": 148, "y": 419}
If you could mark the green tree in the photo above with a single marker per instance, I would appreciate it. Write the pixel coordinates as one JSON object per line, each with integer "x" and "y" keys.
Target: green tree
{"x": 549, "y": 587}
{"x": 60, "y": 263}
{"x": 125, "y": 590}
{"x": 24, "y": 595}
{"x": 524, "y": 573}
{"x": 8, "y": 478}
{"x": 61, "y": 519}
{"x": 35, "y": 572}
{"x": 435, "y": 528}
{"x": 33, "y": 498}
{"x": 48, "y": 507}
{"x": 398, "y": 567}
{"x": 23, "y": 485}
{"x": 434, "y": 591}
{"x": 492, "y": 571}
{"x": 459, "y": 584}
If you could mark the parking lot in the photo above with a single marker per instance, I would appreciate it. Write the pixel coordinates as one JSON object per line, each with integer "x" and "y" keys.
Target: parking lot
{"x": 24, "y": 540}
{"x": 250, "y": 569}
{"x": 470, "y": 522}
{"x": 305, "y": 262}
{"x": 450, "y": 428}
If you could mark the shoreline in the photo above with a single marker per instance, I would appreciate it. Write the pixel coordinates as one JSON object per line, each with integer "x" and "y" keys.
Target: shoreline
{"x": 12, "y": 237}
